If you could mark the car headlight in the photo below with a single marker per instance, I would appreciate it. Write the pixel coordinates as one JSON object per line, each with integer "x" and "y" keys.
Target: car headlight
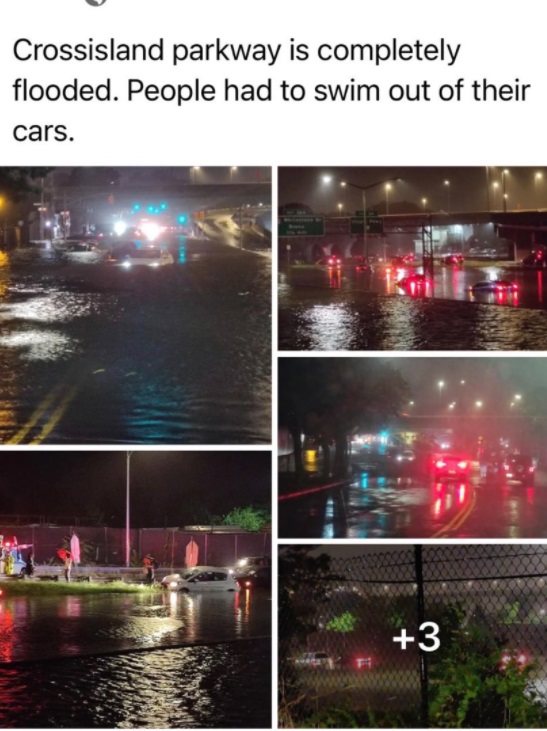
{"x": 173, "y": 585}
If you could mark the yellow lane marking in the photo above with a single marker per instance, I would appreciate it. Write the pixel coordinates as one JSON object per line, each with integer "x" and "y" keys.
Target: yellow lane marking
{"x": 56, "y": 415}
{"x": 37, "y": 415}
{"x": 459, "y": 519}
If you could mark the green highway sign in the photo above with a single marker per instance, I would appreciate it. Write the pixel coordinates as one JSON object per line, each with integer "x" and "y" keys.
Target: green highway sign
{"x": 301, "y": 226}
{"x": 370, "y": 213}
{"x": 295, "y": 212}
{"x": 374, "y": 225}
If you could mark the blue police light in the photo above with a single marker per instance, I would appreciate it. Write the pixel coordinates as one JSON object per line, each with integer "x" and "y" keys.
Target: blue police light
{"x": 182, "y": 219}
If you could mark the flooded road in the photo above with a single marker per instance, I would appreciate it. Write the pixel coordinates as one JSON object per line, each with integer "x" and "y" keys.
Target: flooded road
{"x": 154, "y": 661}
{"x": 320, "y": 309}
{"x": 417, "y": 507}
{"x": 92, "y": 353}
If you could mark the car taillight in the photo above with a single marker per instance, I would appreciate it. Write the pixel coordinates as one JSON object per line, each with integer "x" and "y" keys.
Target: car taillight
{"x": 531, "y": 469}
{"x": 462, "y": 465}
{"x": 506, "y": 467}
{"x": 440, "y": 464}
{"x": 248, "y": 583}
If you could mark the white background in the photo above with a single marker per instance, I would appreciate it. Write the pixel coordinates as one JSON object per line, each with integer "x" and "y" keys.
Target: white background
{"x": 500, "y": 41}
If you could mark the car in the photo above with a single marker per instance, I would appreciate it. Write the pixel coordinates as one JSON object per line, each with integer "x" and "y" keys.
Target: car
{"x": 201, "y": 579}
{"x": 330, "y": 261}
{"x": 495, "y": 285}
{"x": 415, "y": 284}
{"x": 452, "y": 260}
{"x": 151, "y": 257}
{"x": 535, "y": 259}
{"x": 451, "y": 467}
{"x": 355, "y": 662}
{"x": 402, "y": 260}
{"x": 253, "y": 571}
{"x": 519, "y": 468}
{"x": 315, "y": 661}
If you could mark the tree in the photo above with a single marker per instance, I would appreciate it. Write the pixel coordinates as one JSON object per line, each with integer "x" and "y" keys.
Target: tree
{"x": 344, "y": 623}
{"x": 331, "y": 398}
{"x": 250, "y": 519}
{"x": 16, "y": 183}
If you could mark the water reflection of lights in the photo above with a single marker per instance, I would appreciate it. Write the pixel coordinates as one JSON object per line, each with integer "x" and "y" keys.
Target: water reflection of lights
{"x": 55, "y": 307}
{"x": 332, "y": 327}
{"x": 40, "y": 345}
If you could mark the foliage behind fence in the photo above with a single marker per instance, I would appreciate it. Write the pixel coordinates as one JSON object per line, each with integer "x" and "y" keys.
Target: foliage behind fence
{"x": 339, "y": 663}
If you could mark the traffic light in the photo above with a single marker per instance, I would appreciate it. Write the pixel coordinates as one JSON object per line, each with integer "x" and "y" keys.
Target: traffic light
{"x": 150, "y": 208}
{"x": 136, "y": 207}
{"x": 163, "y": 206}
{"x": 182, "y": 219}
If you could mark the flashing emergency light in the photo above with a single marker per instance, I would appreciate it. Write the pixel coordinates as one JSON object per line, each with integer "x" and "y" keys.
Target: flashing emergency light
{"x": 182, "y": 218}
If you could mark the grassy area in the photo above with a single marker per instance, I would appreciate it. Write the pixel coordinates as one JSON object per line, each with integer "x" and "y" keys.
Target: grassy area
{"x": 60, "y": 588}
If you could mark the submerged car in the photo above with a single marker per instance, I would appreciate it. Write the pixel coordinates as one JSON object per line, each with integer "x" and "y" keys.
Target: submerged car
{"x": 495, "y": 285}
{"x": 151, "y": 257}
{"x": 202, "y": 579}
{"x": 415, "y": 284}
{"x": 453, "y": 260}
{"x": 315, "y": 661}
{"x": 253, "y": 571}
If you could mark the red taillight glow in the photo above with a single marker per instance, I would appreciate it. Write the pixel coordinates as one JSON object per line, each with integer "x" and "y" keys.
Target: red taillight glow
{"x": 440, "y": 464}
{"x": 531, "y": 469}
{"x": 462, "y": 464}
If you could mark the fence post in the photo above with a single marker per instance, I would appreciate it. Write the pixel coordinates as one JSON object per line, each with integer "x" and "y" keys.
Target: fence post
{"x": 418, "y": 566}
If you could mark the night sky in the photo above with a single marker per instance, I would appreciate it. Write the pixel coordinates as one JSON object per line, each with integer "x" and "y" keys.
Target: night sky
{"x": 467, "y": 190}
{"x": 167, "y": 488}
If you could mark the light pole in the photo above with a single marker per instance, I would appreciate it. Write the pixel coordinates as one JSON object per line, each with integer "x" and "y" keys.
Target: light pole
{"x": 424, "y": 203}
{"x": 537, "y": 178}
{"x": 232, "y": 171}
{"x": 495, "y": 186}
{"x": 447, "y": 186}
{"x": 363, "y": 188}
{"x": 340, "y": 208}
{"x": 127, "y": 511}
{"x": 503, "y": 176}
{"x": 388, "y": 188}
{"x": 193, "y": 172}
{"x": 440, "y": 385}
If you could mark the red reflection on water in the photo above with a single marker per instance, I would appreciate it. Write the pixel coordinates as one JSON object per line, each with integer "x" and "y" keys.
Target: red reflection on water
{"x": 7, "y": 633}
{"x": 540, "y": 287}
{"x": 530, "y": 495}
{"x": 335, "y": 280}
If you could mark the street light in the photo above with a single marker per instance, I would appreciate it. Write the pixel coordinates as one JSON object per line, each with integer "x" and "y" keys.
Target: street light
{"x": 388, "y": 188}
{"x": 504, "y": 174}
{"x": 232, "y": 171}
{"x": 363, "y": 188}
{"x": 447, "y": 186}
{"x": 517, "y": 397}
{"x": 478, "y": 404}
{"x": 193, "y": 172}
{"x": 424, "y": 203}
{"x": 340, "y": 207}
{"x": 440, "y": 384}
{"x": 127, "y": 511}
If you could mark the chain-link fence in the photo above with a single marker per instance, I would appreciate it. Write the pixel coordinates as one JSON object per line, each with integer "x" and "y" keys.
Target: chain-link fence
{"x": 346, "y": 659}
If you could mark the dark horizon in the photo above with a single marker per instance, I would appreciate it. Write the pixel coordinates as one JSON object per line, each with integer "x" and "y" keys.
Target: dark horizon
{"x": 469, "y": 189}
{"x": 167, "y": 487}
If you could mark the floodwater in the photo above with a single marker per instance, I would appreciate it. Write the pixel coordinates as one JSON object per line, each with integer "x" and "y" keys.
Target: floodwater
{"x": 352, "y": 311}
{"x": 92, "y": 353}
{"x": 152, "y": 661}
{"x": 375, "y": 322}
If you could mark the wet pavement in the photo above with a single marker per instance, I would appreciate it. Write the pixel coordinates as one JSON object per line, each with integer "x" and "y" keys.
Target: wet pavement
{"x": 154, "y": 661}
{"x": 414, "y": 507}
{"x": 94, "y": 353}
{"x": 361, "y": 311}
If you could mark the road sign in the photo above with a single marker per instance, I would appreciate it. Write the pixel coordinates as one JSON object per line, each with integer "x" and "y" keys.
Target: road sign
{"x": 301, "y": 226}
{"x": 295, "y": 212}
{"x": 370, "y": 213}
{"x": 374, "y": 225}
